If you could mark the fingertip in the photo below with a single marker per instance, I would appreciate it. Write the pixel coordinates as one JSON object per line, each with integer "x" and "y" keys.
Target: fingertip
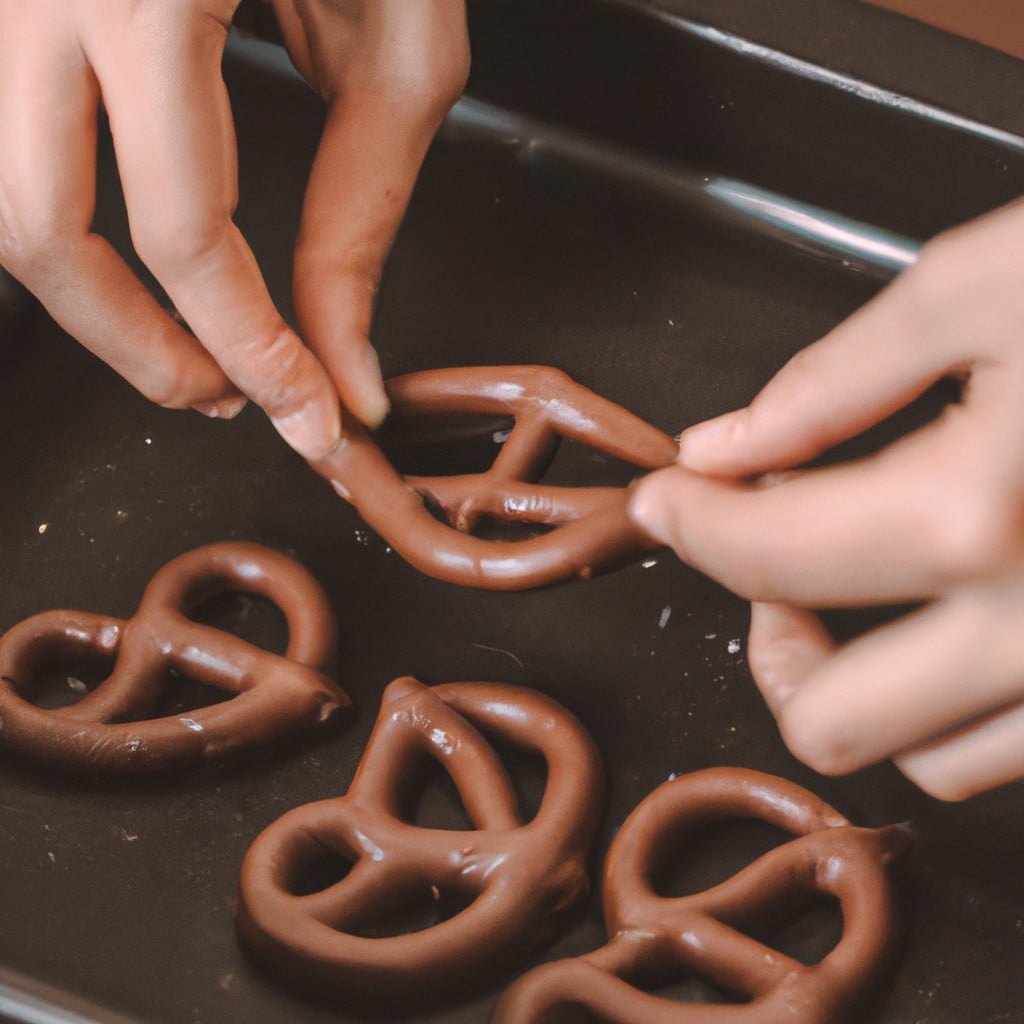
{"x": 313, "y": 431}
{"x": 785, "y": 646}
{"x": 362, "y": 390}
{"x": 645, "y": 510}
{"x": 374, "y": 407}
{"x": 652, "y": 506}
{"x": 222, "y": 408}
{"x": 710, "y": 447}
{"x": 821, "y": 738}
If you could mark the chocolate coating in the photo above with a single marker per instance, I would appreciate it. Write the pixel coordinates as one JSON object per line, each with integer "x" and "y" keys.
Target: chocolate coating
{"x": 520, "y": 878}
{"x": 595, "y": 532}
{"x": 654, "y": 938}
{"x": 273, "y": 694}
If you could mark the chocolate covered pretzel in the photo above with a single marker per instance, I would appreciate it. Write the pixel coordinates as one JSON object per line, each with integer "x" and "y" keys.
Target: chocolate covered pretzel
{"x": 594, "y": 531}
{"x": 108, "y": 729}
{"x": 654, "y": 939}
{"x": 519, "y": 878}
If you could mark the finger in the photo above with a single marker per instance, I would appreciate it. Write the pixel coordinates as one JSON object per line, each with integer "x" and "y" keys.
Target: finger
{"x": 872, "y": 364}
{"x": 885, "y": 528}
{"x": 48, "y": 110}
{"x": 384, "y": 107}
{"x": 970, "y": 760}
{"x": 159, "y": 71}
{"x": 891, "y": 690}
{"x": 786, "y": 646}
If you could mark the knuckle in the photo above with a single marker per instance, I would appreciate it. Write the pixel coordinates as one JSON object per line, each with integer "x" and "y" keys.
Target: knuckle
{"x": 425, "y": 84}
{"x": 169, "y": 384}
{"x": 798, "y": 378}
{"x": 974, "y": 535}
{"x": 804, "y": 363}
{"x": 828, "y": 748}
{"x": 176, "y": 243}
{"x": 774, "y": 662}
{"x": 323, "y": 266}
{"x": 8, "y": 246}
{"x": 942, "y": 278}
{"x": 176, "y": 379}
{"x": 962, "y": 299}
{"x": 447, "y": 80}
{"x": 279, "y": 369}
{"x": 936, "y": 257}
{"x": 32, "y": 249}
{"x": 21, "y": 261}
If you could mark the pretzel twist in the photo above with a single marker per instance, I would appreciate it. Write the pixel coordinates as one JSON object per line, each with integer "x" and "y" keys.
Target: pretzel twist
{"x": 594, "y": 530}
{"x": 520, "y": 878}
{"x": 107, "y": 730}
{"x": 654, "y": 939}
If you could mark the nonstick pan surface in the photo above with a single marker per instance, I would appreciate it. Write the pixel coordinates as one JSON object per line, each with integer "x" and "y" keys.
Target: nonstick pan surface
{"x": 563, "y": 217}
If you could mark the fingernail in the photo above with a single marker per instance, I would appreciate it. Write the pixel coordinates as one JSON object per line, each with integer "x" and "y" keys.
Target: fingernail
{"x": 312, "y": 431}
{"x": 222, "y": 408}
{"x": 775, "y": 478}
{"x": 700, "y": 441}
{"x": 376, "y": 408}
{"x": 375, "y": 405}
{"x": 776, "y": 694}
{"x": 650, "y": 512}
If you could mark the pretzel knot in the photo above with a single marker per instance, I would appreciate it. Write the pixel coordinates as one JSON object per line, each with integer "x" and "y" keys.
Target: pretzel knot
{"x": 107, "y": 730}
{"x": 594, "y": 531}
{"x": 654, "y": 939}
{"x": 518, "y": 879}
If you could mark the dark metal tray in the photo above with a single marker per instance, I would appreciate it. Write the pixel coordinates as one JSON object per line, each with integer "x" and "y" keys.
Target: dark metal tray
{"x": 664, "y": 199}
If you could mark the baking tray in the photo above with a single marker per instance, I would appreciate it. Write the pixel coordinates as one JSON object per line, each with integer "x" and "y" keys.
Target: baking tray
{"x": 666, "y": 200}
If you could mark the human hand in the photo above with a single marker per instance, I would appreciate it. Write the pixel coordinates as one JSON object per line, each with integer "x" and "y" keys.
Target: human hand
{"x": 937, "y": 517}
{"x": 389, "y": 72}
{"x": 156, "y": 67}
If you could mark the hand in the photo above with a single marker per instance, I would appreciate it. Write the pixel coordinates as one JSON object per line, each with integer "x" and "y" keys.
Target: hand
{"x": 937, "y": 517}
{"x": 389, "y": 71}
{"x": 156, "y": 67}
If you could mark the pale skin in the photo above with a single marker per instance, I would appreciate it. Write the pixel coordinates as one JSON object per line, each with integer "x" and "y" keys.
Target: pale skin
{"x": 936, "y": 517}
{"x": 388, "y": 71}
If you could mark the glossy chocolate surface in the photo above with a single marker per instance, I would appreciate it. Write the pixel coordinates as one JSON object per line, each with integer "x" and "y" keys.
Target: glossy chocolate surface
{"x": 112, "y": 728}
{"x": 518, "y": 877}
{"x": 593, "y": 531}
{"x": 651, "y": 937}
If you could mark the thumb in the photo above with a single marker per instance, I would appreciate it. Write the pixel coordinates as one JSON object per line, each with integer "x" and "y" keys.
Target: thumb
{"x": 662, "y": 502}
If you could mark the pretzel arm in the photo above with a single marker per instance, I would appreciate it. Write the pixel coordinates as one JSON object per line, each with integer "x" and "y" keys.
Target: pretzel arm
{"x": 545, "y": 994}
{"x": 414, "y": 718}
{"x": 363, "y": 476}
{"x": 368, "y": 893}
{"x": 465, "y": 500}
{"x": 531, "y": 720}
{"x": 570, "y": 408}
{"x": 544, "y": 403}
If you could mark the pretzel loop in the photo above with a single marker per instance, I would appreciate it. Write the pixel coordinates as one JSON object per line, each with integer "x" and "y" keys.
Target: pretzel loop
{"x": 110, "y": 729}
{"x": 653, "y": 939}
{"x": 517, "y": 880}
{"x": 594, "y": 532}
